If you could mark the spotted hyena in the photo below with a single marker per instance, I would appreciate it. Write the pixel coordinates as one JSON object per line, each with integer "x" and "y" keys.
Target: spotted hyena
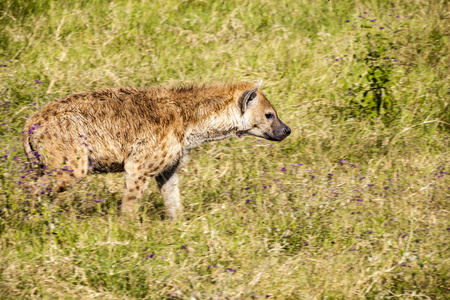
{"x": 144, "y": 132}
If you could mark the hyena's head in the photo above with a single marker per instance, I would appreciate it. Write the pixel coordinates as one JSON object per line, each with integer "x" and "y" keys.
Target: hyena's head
{"x": 259, "y": 118}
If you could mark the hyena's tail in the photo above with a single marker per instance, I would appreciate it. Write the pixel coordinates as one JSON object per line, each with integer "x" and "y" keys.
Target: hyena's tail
{"x": 27, "y": 143}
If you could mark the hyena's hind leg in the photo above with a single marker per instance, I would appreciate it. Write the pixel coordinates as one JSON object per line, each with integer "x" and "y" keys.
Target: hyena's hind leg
{"x": 168, "y": 183}
{"x": 70, "y": 171}
{"x": 66, "y": 160}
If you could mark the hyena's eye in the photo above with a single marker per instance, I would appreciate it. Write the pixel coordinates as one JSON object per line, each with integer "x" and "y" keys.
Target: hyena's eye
{"x": 269, "y": 115}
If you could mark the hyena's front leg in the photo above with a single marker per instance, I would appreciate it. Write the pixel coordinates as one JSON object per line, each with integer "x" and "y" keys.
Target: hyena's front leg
{"x": 168, "y": 181}
{"x": 137, "y": 173}
{"x": 145, "y": 162}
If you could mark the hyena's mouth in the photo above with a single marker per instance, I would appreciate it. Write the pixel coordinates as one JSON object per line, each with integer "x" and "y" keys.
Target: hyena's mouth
{"x": 272, "y": 138}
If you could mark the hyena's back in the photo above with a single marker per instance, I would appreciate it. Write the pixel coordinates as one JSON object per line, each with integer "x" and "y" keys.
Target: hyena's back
{"x": 95, "y": 131}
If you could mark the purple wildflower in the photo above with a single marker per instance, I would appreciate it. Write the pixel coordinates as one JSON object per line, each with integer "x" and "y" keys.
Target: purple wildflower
{"x": 150, "y": 255}
{"x": 283, "y": 169}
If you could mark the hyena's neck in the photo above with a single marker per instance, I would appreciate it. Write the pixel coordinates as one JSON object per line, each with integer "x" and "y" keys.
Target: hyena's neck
{"x": 213, "y": 128}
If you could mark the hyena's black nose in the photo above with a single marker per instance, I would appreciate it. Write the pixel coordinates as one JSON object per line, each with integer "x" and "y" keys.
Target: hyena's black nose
{"x": 287, "y": 130}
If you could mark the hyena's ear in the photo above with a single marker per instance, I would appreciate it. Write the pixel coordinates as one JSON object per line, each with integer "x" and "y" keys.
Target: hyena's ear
{"x": 248, "y": 96}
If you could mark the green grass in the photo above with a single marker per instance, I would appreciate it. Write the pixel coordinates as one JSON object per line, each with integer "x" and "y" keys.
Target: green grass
{"x": 317, "y": 229}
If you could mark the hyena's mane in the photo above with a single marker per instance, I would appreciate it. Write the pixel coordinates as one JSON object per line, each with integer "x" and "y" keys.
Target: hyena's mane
{"x": 163, "y": 103}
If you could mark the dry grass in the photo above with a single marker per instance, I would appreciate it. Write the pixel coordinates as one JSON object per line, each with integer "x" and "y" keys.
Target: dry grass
{"x": 345, "y": 208}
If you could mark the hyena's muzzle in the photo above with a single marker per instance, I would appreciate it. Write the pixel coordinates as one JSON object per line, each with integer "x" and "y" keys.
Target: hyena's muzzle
{"x": 279, "y": 131}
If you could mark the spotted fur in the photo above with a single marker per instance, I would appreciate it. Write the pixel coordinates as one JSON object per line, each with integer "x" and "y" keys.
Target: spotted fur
{"x": 144, "y": 132}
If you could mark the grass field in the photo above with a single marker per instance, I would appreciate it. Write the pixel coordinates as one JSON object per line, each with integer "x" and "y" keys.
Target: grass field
{"x": 355, "y": 204}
